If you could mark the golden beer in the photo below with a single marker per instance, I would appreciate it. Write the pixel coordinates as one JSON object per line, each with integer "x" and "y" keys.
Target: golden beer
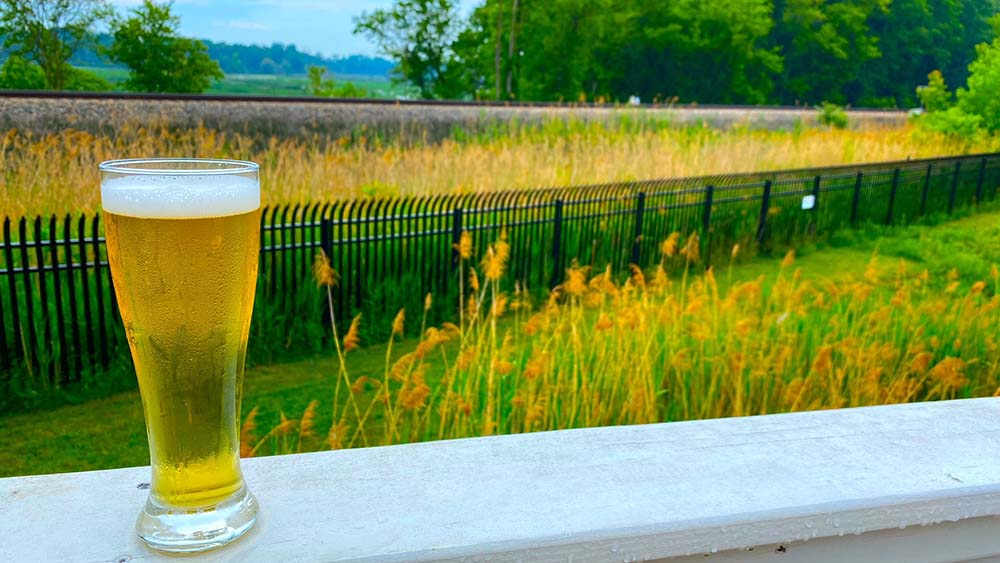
{"x": 183, "y": 254}
{"x": 185, "y": 288}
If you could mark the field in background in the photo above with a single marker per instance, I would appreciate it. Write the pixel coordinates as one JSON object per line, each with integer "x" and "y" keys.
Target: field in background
{"x": 869, "y": 317}
{"x": 507, "y": 155}
{"x": 277, "y": 84}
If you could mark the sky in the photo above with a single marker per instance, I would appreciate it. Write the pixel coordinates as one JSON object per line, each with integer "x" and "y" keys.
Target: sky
{"x": 314, "y": 26}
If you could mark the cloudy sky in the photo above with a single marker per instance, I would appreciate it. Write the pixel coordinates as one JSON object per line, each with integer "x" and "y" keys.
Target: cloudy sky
{"x": 322, "y": 26}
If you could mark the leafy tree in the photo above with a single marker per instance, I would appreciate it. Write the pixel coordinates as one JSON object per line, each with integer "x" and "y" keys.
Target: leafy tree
{"x": 915, "y": 37}
{"x": 20, "y": 74}
{"x": 159, "y": 59}
{"x": 824, "y": 43}
{"x": 935, "y": 95}
{"x": 979, "y": 97}
{"x": 323, "y": 87}
{"x": 86, "y": 81}
{"x": 698, "y": 51}
{"x": 418, "y": 34}
{"x": 48, "y": 32}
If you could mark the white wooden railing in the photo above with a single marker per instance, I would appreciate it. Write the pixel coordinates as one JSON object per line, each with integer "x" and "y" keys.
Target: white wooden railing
{"x": 909, "y": 483}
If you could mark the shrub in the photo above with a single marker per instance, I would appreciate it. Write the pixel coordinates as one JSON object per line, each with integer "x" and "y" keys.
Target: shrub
{"x": 935, "y": 95}
{"x": 20, "y": 74}
{"x": 832, "y": 115}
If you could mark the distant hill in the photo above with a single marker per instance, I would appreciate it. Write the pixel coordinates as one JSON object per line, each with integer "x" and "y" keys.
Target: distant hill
{"x": 278, "y": 58}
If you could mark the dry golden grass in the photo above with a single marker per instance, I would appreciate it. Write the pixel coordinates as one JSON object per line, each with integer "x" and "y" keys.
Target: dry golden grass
{"x": 58, "y": 172}
{"x": 660, "y": 348}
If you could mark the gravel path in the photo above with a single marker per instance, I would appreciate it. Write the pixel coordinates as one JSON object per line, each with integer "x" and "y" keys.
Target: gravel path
{"x": 42, "y": 115}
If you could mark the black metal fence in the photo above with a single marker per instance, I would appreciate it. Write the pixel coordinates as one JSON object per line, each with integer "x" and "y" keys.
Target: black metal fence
{"x": 58, "y": 310}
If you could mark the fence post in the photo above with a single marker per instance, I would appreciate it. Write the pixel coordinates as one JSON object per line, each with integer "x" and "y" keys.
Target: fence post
{"x": 927, "y": 187}
{"x": 99, "y": 289}
{"x": 954, "y": 187}
{"x": 857, "y": 198}
{"x": 980, "y": 180}
{"x": 12, "y": 287}
{"x": 892, "y": 196}
{"x": 326, "y": 232}
{"x": 640, "y": 208}
{"x": 456, "y": 237}
{"x": 765, "y": 207}
{"x": 43, "y": 300}
{"x": 815, "y": 208}
{"x": 5, "y": 360}
{"x": 706, "y": 222}
{"x": 31, "y": 355}
{"x": 556, "y": 243}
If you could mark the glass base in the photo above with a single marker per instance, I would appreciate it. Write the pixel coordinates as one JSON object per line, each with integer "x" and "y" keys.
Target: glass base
{"x": 191, "y": 530}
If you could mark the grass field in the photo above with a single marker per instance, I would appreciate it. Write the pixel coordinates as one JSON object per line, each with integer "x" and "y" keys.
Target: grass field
{"x": 275, "y": 84}
{"x": 510, "y": 155}
{"x": 870, "y": 317}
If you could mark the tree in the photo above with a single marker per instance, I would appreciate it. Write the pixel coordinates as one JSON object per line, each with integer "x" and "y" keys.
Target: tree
{"x": 916, "y": 37}
{"x": 20, "y": 74}
{"x": 48, "y": 32}
{"x": 698, "y": 51}
{"x": 824, "y": 43}
{"x": 979, "y": 97}
{"x": 419, "y": 35}
{"x": 321, "y": 86}
{"x": 159, "y": 59}
{"x": 935, "y": 95}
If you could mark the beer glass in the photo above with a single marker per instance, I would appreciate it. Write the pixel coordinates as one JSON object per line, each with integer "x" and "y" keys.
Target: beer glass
{"x": 182, "y": 238}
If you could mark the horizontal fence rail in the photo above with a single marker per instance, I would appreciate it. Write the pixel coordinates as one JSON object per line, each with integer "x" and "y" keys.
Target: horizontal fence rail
{"x": 58, "y": 309}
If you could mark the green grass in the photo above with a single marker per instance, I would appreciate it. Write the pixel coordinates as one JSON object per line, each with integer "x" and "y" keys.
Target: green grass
{"x": 109, "y": 432}
{"x": 275, "y": 85}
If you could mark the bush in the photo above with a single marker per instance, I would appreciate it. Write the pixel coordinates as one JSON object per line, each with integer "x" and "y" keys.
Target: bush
{"x": 935, "y": 95}
{"x": 82, "y": 80}
{"x": 832, "y": 115}
{"x": 980, "y": 97}
{"x": 20, "y": 74}
{"x": 952, "y": 121}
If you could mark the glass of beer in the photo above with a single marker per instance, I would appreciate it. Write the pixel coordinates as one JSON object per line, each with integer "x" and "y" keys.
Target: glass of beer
{"x": 182, "y": 239}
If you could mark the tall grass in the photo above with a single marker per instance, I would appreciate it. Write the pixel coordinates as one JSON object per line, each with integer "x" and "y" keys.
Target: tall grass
{"x": 506, "y": 156}
{"x": 656, "y": 348}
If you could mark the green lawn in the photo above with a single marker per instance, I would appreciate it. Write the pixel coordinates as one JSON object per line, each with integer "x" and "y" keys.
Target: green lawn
{"x": 109, "y": 432}
{"x": 274, "y": 85}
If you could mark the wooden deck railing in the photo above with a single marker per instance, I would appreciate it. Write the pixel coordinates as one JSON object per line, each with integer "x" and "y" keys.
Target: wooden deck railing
{"x": 916, "y": 483}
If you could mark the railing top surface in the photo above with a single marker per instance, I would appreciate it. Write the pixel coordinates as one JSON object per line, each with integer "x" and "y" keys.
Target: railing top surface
{"x": 652, "y": 491}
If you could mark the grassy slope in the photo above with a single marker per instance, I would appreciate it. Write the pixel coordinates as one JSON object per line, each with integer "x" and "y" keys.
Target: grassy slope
{"x": 272, "y": 85}
{"x": 109, "y": 433}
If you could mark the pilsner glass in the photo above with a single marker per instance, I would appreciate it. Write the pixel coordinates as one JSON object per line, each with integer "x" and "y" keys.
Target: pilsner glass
{"x": 182, "y": 238}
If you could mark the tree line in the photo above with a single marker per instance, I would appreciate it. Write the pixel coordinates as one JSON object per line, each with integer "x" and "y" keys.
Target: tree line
{"x": 859, "y": 52}
{"x": 41, "y": 36}
{"x": 235, "y": 58}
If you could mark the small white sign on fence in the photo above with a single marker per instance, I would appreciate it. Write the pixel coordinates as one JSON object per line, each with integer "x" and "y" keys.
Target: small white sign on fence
{"x": 808, "y": 202}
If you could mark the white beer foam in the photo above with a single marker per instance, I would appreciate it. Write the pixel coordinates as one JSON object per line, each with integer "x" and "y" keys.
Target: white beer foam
{"x": 180, "y": 196}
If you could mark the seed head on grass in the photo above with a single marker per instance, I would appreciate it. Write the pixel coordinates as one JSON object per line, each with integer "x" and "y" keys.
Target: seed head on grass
{"x": 473, "y": 279}
{"x": 352, "y": 340}
{"x": 789, "y": 259}
{"x": 397, "y": 323}
{"x": 576, "y": 280}
{"x": 668, "y": 248}
{"x": 308, "y": 421}
{"x": 323, "y": 272}
{"x": 246, "y": 433}
{"x": 285, "y": 426}
{"x": 692, "y": 249}
{"x": 464, "y": 246}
